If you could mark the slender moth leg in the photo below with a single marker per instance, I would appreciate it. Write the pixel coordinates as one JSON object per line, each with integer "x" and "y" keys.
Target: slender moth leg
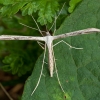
{"x": 66, "y": 44}
{"x": 41, "y": 44}
{"x": 57, "y": 73}
{"x": 40, "y": 73}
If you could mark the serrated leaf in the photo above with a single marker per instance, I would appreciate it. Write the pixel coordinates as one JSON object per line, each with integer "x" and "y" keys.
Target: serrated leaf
{"x": 30, "y": 8}
{"x": 79, "y": 70}
{"x": 10, "y": 10}
{"x": 15, "y": 63}
{"x": 73, "y": 4}
{"x": 45, "y": 9}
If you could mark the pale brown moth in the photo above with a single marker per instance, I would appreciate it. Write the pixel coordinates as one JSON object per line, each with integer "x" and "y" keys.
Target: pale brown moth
{"x": 48, "y": 39}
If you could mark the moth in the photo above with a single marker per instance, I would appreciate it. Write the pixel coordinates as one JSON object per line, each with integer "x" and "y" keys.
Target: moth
{"x": 48, "y": 39}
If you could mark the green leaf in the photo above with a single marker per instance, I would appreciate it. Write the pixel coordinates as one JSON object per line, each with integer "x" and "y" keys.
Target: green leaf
{"x": 10, "y": 10}
{"x": 6, "y": 2}
{"x": 73, "y": 4}
{"x": 46, "y": 9}
{"x": 79, "y": 70}
{"x": 15, "y": 62}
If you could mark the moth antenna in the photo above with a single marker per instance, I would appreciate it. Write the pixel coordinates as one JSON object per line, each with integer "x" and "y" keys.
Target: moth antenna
{"x": 57, "y": 16}
{"x": 37, "y": 25}
{"x": 45, "y": 26}
{"x": 55, "y": 26}
{"x": 29, "y": 26}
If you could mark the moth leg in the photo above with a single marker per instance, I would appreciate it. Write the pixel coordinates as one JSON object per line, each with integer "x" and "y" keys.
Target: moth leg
{"x": 56, "y": 71}
{"x": 41, "y": 44}
{"x": 66, "y": 44}
{"x": 41, "y": 73}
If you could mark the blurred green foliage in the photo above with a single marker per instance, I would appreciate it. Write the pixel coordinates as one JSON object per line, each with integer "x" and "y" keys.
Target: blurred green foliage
{"x": 18, "y": 57}
{"x": 44, "y": 9}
